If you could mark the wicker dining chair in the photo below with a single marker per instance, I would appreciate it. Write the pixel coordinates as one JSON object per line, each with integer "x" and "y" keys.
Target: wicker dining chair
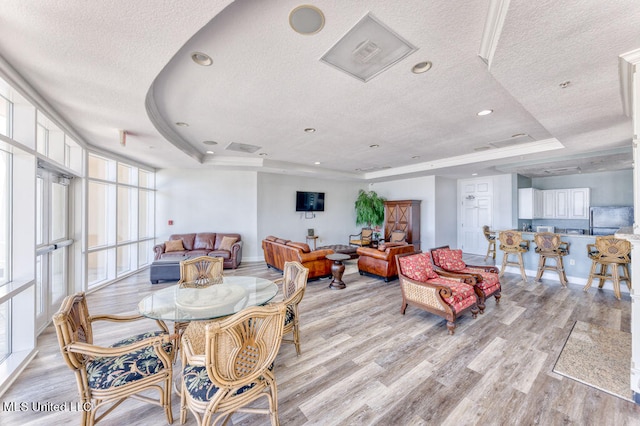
{"x": 201, "y": 271}
{"x": 490, "y": 236}
{"x": 106, "y": 376}
{"x": 550, "y": 246}
{"x": 236, "y": 368}
{"x": 609, "y": 252}
{"x": 512, "y": 243}
{"x": 294, "y": 284}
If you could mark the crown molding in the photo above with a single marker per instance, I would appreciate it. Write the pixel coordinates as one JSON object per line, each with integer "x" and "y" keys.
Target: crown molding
{"x": 492, "y": 29}
{"x": 626, "y": 68}
{"x": 478, "y": 157}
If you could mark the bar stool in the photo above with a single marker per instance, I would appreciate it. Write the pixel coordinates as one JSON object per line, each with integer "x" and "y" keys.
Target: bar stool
{"x": 511, "y": 242}
{"x": 549, "y": 246}
{"x": 491, "y": 238}
{"x": 609, "y": 251}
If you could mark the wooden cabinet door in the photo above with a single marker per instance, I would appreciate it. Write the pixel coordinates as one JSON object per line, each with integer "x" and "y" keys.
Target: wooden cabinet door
{"x": 403, "y": 216}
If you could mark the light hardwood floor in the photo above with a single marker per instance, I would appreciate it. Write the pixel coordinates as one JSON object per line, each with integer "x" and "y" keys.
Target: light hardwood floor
{"x": 363, "y": 363}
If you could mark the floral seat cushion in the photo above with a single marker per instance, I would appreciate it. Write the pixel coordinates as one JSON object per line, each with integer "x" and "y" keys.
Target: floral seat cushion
{"x": 462, "y": 295}
{"x": 110, "y": 372}
{"x": 490, "y": 281}
{"x": 418, "y": 267}
{"x": 200, "y": 387}
{"x": 448, "y": 259}
{"x": 289, "y": 315}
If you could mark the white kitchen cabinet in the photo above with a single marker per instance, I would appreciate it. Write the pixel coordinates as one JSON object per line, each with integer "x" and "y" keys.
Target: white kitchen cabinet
{"x": 570, "y": 203}
{"x": 562, "y": 208}
{"x": 579, "y": 203}
{"x": 548, "y": 204}
{"x": 529, "y": 203}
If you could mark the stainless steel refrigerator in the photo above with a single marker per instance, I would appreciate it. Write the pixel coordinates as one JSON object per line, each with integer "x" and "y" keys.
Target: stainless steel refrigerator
{"x": 607, "y": 220}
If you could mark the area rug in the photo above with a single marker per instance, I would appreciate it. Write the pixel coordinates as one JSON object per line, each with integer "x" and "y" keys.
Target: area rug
{"x": 599, "y": 357}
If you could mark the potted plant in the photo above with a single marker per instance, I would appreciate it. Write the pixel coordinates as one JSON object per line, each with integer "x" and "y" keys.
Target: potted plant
{"x": 369, "y": 209}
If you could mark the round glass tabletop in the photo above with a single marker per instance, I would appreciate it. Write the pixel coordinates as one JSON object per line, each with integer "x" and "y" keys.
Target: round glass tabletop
{"x": 218, "y": 300}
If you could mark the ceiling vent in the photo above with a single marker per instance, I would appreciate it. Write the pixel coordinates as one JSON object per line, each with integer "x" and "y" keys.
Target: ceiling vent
{"x": 373, "y": 168}
{"x": 512, "y": 141}
{"x": 563, "y": 170}
{"x": 368, "y": 49}
{"x": 242, "y": 147}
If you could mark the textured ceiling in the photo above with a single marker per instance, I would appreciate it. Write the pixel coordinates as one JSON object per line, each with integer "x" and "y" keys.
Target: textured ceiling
{"x": 113, "y": 65}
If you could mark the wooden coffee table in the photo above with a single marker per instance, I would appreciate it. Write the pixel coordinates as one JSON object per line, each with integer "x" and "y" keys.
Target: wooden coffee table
{"x": 337, "y": 269}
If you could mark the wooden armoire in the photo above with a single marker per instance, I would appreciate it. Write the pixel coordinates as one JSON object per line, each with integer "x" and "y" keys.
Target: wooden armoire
{"x": 403, "y": 215}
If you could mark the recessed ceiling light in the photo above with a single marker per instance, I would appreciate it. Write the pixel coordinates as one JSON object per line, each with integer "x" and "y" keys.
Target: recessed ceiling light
{"x": 517, "y": 135}
{"x": 182, "y": 124}
{"x": 309, "y": 130}
{"x": 316, "y": 163}
{"x": 306, "y": 19}
{"x": 485, "y": 112}
{"x": 201, "y": 59}
{"x": 210, "y": 152}
{"x": 421, "y": 67}
{"x": 210, "y": 142}
{"x": 564, "y": 84}
{"x": 474, "y": 174}
{"x": 375, "y": 145}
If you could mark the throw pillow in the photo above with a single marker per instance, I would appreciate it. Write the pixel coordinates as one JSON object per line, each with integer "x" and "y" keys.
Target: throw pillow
{"x": 226, "y": 243}
{"x": 451, "y": 260}
{"x": 418, "y": 267}
{"x": 173, "y": 245}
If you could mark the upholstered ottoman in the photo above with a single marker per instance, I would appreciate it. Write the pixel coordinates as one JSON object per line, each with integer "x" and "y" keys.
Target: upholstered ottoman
{"x": 165, "y": 269}
{"x": 343, "y": 249}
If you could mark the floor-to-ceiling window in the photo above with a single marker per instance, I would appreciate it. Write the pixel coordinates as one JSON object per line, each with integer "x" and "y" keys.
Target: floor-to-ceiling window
{"x": 120, "y": 224}
{"x": 5, "y": 314}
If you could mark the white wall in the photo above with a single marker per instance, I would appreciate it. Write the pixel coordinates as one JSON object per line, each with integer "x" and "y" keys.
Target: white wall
{"x": 446, "y": 223}
{"x": 277, "y": 209}
{"x": 208, "y": 201}
{"x": 614, "y": 188}
{"x": 437, "y": 207}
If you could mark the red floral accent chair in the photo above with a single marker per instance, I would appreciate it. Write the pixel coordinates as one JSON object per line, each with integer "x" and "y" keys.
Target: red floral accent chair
{"x": 488, "y": 280}
{"x": 435, "y": 292}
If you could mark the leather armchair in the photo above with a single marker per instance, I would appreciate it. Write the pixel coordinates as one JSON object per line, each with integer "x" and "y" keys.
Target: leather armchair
{"x": 277, "y": 251}
{"x": 381, "y": 261}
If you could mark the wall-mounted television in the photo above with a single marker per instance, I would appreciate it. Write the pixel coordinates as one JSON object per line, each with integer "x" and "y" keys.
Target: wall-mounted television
{"x": 309, "y": 201}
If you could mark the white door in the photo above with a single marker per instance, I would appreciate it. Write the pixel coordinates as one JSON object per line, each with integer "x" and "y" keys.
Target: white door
{"x": 476, "y": 205}
{"x": 52, "y": 245}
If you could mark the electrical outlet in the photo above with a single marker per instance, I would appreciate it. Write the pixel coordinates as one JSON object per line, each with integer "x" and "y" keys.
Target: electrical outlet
{"x": 572, "y": 261}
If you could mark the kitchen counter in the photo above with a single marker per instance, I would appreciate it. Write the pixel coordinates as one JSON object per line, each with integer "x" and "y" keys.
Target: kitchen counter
{"x": 576, "y": 264}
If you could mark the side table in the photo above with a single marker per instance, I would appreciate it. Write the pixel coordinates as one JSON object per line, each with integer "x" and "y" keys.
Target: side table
{"x": 337, "y": 269}
{"x": 314, "y": 238}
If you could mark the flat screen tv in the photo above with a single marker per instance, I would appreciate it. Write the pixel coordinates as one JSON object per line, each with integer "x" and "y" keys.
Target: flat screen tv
{"x": 309, "y": 201}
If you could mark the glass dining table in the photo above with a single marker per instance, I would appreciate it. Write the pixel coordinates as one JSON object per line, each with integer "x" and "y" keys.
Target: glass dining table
{"x": 186, "y": 303}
